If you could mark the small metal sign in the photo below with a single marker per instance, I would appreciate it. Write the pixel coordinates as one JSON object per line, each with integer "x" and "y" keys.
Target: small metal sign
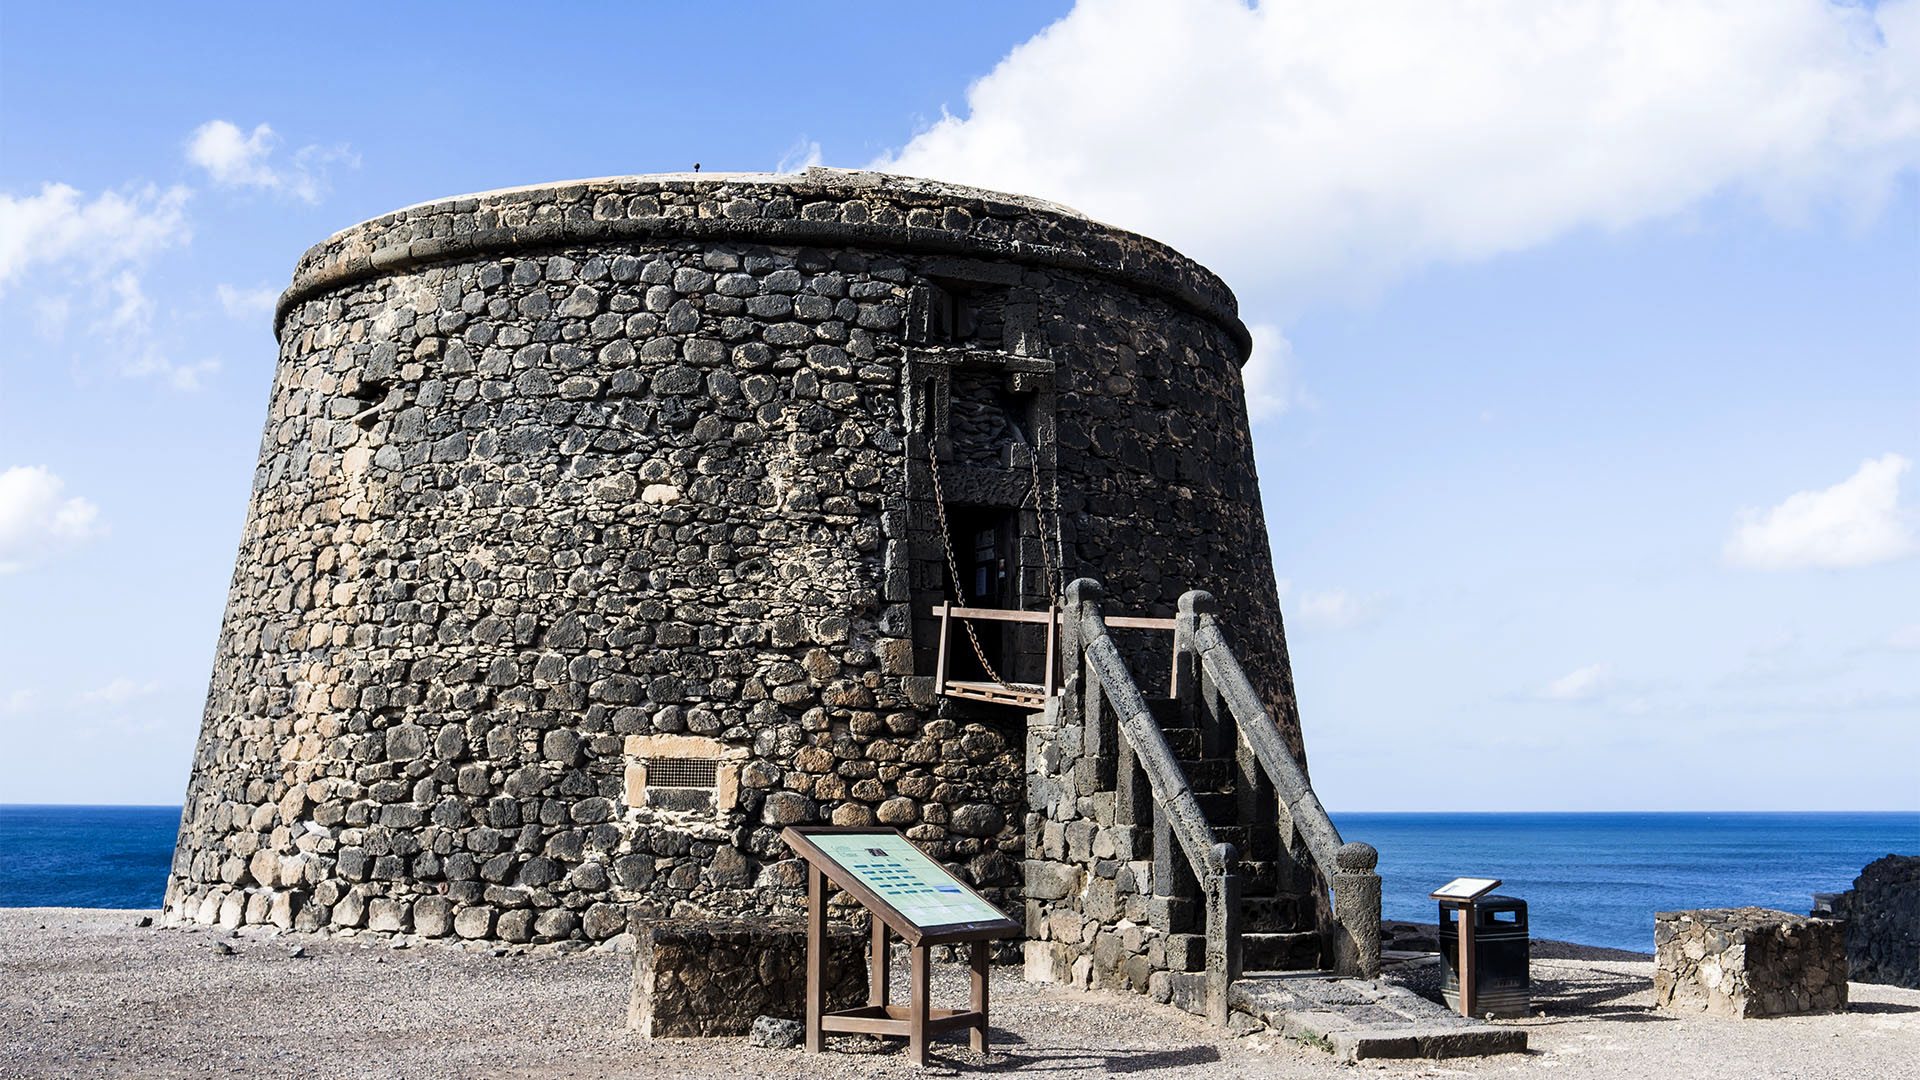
{"x": 1465, "y": 889}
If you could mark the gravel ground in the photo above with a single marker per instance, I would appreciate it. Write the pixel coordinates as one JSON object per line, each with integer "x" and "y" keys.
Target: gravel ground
{"x": 85, "y": 993}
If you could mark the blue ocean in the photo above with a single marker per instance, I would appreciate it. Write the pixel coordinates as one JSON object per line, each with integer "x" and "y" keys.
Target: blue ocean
{"x": 86, "y": 856}
{"x": 1595, "y": 879}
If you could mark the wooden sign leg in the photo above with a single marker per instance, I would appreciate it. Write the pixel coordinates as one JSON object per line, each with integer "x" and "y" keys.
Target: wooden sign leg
{"x": 978, "y": 1039}
{"x": 917, "y": 1007}
{"x": 880, "y": 966}
{"x": 816, "y": 956}
{"x": 1468, "y": 976}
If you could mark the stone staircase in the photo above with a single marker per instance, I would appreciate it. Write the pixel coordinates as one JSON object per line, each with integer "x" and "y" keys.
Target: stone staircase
{"x": 1175, "y": 848}
{"x": 1277, "y": 931}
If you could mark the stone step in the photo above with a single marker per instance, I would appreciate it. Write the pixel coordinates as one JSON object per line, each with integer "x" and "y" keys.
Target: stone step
{"x": 1254, "y": 842}
{"x": 1225, "y": 813}
{"x": 1220, "y": 807}
{"x": 1186, "y": 952}
{"x": 1211, "y": 774}
{"x": 1259, "y": 877}
{"x": 1356, "y": 1019}
{"x": 1184, "y": 742}
{"x": 1187, "y": 991}
{"x": 1170, "y": 913}
{"x": 1166, "y": 712}
{"x": 1289, "y": 951}
{"x": 1268, "y": 913}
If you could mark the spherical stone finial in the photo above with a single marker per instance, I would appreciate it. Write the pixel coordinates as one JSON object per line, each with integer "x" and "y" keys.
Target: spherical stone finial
{"x": 1198, "y": 602}
{"x": 1356, "y": 856}
{"x": 1084, "y": 590}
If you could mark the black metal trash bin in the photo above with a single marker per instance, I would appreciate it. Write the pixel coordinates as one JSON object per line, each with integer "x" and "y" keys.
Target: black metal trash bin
{"x": 1502, "y": 986}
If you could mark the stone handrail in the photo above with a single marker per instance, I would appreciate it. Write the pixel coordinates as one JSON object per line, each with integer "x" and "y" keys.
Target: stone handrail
{"x": 1106, "y": 676}
{"x": 1348, "y": 868}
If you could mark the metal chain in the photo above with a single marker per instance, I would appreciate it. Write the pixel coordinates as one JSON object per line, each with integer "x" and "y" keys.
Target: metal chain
{"x": 1040, "y": 521}
{"x": 953, "y": 564}
{"x": 1059, "y": 538}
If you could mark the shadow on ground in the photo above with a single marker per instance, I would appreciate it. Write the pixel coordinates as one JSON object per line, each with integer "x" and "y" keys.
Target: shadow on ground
{"x": 1567, "y": 994}
{"x": 1008, "y": 1052}
{"x": 1103, "y": 1062}
{"x": 1561, "y": 992}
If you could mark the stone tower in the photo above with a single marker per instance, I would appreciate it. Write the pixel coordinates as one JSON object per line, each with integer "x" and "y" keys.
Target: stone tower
{"x": 596, "y": 529}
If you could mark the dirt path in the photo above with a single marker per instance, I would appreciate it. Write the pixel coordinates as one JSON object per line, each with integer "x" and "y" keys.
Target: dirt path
{"x": 84, "y": 993}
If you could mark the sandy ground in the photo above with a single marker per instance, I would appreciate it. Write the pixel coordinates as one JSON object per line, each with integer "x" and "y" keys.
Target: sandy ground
{"x": 84, "y": 993}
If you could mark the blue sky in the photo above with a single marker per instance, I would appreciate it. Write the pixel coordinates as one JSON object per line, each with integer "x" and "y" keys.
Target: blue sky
{"x": 1588, "y": 377}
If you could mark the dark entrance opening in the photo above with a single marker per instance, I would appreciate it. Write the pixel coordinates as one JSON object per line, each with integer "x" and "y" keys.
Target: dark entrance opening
{"x": 985, "y": 541}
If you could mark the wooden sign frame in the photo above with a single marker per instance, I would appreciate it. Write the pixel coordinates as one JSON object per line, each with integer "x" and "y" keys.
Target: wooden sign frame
{"x": 916, "y": 1019}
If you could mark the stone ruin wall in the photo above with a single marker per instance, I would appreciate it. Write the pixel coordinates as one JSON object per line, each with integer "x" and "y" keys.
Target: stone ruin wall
{"x": 557, "y": 480}
{"x": 1882, "y": 916}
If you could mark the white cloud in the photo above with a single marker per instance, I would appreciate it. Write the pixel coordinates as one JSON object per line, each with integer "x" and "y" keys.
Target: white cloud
{"x": 93, "y": 238}
{"x": 247, "y": 303}
{"x": 1324, "y": 146}
{"x": 132, "y": 312}
{"x": 1857, "y": 522}
{"x": 232, "y": 159}
{"x": 1905, "y": 639}
{"x": 1583, "y": 684}
{"x": 118, "y": 692}
{"x": 1272, "y": 384}
{"x": 150, "y": 362}
{"x": 50, "y": 314}
{"x": 84, "y": 261}
{"x": 236, "y": 159}
{"x": 125, "y": 327}
{"x": 14, "y": 702}
{"x": 1336, "y": 609}
{"x": 802, "y": 155}
{"x": 35, "y": 522}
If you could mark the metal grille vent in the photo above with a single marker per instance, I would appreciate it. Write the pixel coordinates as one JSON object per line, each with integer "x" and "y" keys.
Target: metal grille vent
{"x": 683, "y": 772}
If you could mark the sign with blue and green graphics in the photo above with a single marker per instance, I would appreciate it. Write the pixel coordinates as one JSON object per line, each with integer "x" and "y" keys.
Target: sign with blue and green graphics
{"x": 901, "y": 874}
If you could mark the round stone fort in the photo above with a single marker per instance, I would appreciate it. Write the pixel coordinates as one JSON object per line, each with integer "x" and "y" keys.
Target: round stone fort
{"x": 599, "y": 531}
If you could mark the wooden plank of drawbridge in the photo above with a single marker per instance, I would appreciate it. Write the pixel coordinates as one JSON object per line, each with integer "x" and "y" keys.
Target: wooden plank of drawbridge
{"x": 994, "y": 693}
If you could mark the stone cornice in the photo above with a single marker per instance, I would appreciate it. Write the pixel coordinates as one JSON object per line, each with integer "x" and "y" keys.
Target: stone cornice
{"x": 828, "y": 208}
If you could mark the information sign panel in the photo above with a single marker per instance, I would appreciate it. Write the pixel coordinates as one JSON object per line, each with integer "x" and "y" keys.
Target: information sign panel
{"x": 907, "y": 894}
{"x": 1465, "y": 888}
{"x": 899, "y": 873}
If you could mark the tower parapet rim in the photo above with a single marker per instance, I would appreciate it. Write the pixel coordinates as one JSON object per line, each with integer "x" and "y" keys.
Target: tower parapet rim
{"x": 820, "y": 207}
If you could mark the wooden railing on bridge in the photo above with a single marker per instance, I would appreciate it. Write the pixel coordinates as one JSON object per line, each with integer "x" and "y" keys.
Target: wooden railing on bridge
{"x": 1029, "y": 695}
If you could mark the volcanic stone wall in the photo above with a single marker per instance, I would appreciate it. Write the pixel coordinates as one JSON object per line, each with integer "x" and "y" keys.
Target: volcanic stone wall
{"x": 592, "y": 541}
{"x": 1882, "y": 914}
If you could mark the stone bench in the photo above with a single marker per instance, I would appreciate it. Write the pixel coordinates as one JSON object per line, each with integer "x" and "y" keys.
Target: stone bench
{"x": 707, "y": 977}
{"x": 1748, "y": 962}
